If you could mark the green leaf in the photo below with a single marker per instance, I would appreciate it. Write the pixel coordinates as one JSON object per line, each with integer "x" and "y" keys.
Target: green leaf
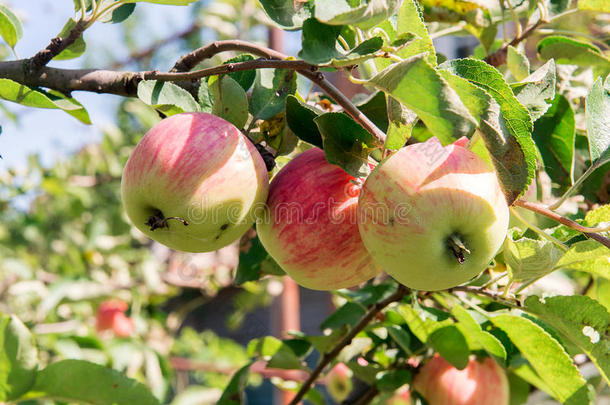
{"x": 374, "y": 107}
{"x": 165, "y": 2}
{"x": 533, "y": 91}
{"x": 271, "y": 88}
{"x": 277, "y": 135}
{"x": 254, "y": 262}
{"x": 517, "y": 63}
{"x": 401, "y": 337}
{"x": 24, "y": 95}
{"x": 205, "y": 97}
{"x": 74, "y": 50}
{"x": 230, "y": 100}
{"x": 10, "y": 26}
{"x": 401, "y": 123}
{"x": 245, "y": 78}
{"x": 391, "y": 380}
{"x": 325, "y": 343}
{"x": 587, "y": 255}
{"x": 528, "y": 259}
{"x": 598, "y": 121}
{"x": 348, "y": 314}
{"x": 584, "y": 321}
{"x": 346, "y": 143}
{"x": 451, "y": 344}
{"x": 18, "y": 358}
{"x": 319, "y": 43}
{"x": 288, "y": 14}
{"x": 547, "y": 357}
{"x": 166, "y": 97}
{"x": 360, "y": 53}
{"x": 568, "y": 51}
{"x": 597, "y": 5}
{"x": 422, "y": 329}
{"x": 519, "y": 389}
{"x": 472, "y": 330}
{"x": 554, "y": 134}
{"x": 518, "y": 166}
{"x": 235, "y": 392}
{"x": 85, "y": 382}
{"x": 300, "y": 119}
{"x": 365, "y": 15}
{"x": 119, "y": 14}
{"x": 415, "y": 83}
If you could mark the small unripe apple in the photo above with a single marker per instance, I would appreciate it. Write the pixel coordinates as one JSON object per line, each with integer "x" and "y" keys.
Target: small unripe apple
{"x": 310, "y": 224}
{"x": 482, "y": 382}
{"x": 111, "y": 316}
{"x": 339, "y": 382}
{"x": 194, "y": 183}
{"x": 433, "y": 217}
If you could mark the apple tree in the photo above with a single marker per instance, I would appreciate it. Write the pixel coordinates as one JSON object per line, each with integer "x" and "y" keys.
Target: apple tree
{"x": 458, "y": 209}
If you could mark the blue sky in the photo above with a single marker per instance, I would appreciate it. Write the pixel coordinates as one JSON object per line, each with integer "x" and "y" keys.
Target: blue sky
{"x": 53, "y": 133}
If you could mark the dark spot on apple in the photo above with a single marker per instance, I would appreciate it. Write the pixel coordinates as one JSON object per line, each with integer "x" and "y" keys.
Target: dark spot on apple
{"x": 115, "y": 385}
{"x": 391, "y": 220}
{"x": 224, "y": 226}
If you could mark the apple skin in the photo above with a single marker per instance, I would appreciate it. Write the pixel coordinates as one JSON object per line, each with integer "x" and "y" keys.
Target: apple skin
{"x": 201, "y": 169}
{"x": 111, "y": 316}
{"x": 401, "y": 397}
{"x": 339, "y": 382}
{"x": 310, "y": 224}
{"x": 421, "y": 196}
{"x": 482, "y": 382}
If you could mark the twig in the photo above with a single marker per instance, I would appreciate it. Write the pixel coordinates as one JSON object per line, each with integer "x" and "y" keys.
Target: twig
{"x": 347, "y": 339}
{"x": 494, "y": 295}
{"x": 55, "y": 47}
{"x": 498, "y": 58}
{"x": 542, "y": 210}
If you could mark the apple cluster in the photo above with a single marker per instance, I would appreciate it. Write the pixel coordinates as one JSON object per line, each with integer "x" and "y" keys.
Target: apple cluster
{"x": 431, "y": 216}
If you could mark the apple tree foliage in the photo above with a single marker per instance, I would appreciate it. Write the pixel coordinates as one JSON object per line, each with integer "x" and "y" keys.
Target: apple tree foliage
{"x": 533, "y": 98}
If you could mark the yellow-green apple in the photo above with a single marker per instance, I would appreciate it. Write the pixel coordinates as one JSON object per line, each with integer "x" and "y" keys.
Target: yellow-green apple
{"x": 310, "y": 224}
{"x": 339, "y": 382}
{"x": 194, "y": 183}
{"x": 433, "y": 217}
{"x": 482, "y": 382}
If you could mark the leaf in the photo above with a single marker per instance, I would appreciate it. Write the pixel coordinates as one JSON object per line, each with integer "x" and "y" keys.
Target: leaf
{"x": 362, "y": 52}
{"x": 533, "y": 91}
{"x": 230, "y": 100}
{"x": 205, "y": 97}
{"x": 584, "y": 321}
{"x": 319, "y": 44}
{"x": 597, "y": 5}
{"x": 365, "y": 15}
{"x": 528, "y": 259}
{"x": 422, "y": 329}
{"x": 165, "y": 2}
{"x": 517, "y": 63}
{"x": 346, "y": 143}
{"x": 547, "y": 358}
{"x": 554, "y": 134}
{"x": 597, "y": 113}
{"x": 587, "y": 255}
{"x": 18, "y": 358}
{"x": 415, "y": 83}
{"x": 166, "y": 97}
{"x": 401, "y": 123}
{"x": 251, "y": 263}
{"x": 391, "y": 380}
{"x": 518, "y": 166}
{"x": 271, "y": 88}
{"x": 288, "y": 14}
{"x": 348, "y": 314}
{"x": 374, "y": 107}
{"x": 235, "y": 392}
{"x": 471, "y": 329}
{"x": 10, "y": 26}
{"x": 74, "y": 50}
{"x": 245, "y": 78}
{"x": 451, "y": 344}
{"x": 24, "y": 95}
{"x": 300, "y": 119}
{"x": 401, "y": 337}
{"x": 568, "y": 51}
{"x": 82, "y": 381}
{"x": 325, "y": 343}
{"x": 119, "y": 14}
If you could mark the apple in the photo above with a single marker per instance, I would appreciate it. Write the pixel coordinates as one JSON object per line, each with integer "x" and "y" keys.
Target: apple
{"x": 310, "y": 224}
{"x": 194, "y": 183}
{"x": 433, "y": 217}
{"x": 482, "y": 382}
{"x": 402, "y": 396}
{"x": 339, "y": 382}
{"x": 111, "y": 316}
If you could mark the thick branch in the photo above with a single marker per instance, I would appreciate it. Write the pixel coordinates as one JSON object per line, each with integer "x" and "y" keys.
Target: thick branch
{"x": 542, "y": 210}
{"x": 55, "y": 47}
{"x": 347, "y": 339}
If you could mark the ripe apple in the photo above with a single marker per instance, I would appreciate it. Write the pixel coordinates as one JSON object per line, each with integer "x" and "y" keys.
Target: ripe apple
{"x": 482, "y": 382}
{"x": 339, "y": 382}
{"x": 194, "y": 183}
{"x": 310, "y": 224}
{"x": 433, "y": 217}
{"x": 111, "y": 316}
{"x": 402, "y": 396}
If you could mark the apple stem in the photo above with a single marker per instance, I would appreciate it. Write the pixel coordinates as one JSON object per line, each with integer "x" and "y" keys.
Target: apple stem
{"x": 158, "y": 220}
{"x": 457, "y": 248}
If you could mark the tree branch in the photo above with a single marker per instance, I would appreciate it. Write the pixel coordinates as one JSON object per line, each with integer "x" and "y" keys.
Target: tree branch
{"x": 347, "y": 339}
{"x": 542, "y": 210}
{"x": 498, "y": 58}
